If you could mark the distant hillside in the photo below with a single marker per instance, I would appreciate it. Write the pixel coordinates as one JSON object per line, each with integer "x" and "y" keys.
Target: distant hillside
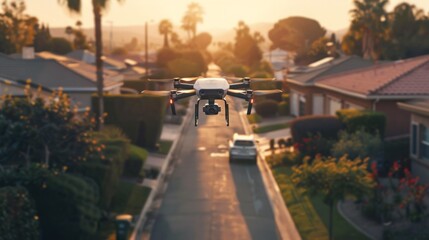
{"x": 123, "y": 34}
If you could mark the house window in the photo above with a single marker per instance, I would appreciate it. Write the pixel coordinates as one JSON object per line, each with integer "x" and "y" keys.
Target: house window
{"x": 414, "y": 138}
{"x": 424, "y": 143}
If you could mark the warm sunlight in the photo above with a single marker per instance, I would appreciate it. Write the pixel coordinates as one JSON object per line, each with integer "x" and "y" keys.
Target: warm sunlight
{"x": 218, "y": 14}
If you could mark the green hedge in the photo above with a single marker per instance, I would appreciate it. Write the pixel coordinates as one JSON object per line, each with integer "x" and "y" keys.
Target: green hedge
{"x": 139, "y": 116}
{"x": 18, "y": 217}
{"x": 284, "y": 109}
{"x": 67, "y": 206}
{"x": 135, "y": 162}
{"x": 266, "y": 108}
{"x": 327, "y": 126}
{"x": 354, "y": 120}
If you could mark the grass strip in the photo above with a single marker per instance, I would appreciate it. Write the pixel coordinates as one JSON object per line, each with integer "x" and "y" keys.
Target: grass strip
{"x": 270, "y": 128}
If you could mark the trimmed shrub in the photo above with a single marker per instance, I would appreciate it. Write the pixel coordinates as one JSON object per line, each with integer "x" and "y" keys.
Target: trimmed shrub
{"x": 327, "y": 126}
{"x": 284, "y": 109}
{"x": 354, "y": 120}
{"x": 358, "y": 144}
{"x": 139, "y": 116}
{"x": 67, "y": 207}
{"x": 18, "y": 216}
{"x": 66, "y": 204}
{"x": 135, "y": 162}
{"x": 267, "y": 108}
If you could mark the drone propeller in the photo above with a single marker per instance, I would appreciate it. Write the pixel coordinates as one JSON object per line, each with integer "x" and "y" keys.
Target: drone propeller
{"x": 168, "y": 80}
{"x": 266, "y": 92}
{"x": 155, "y": 92}
{"x": 262, "y": 79}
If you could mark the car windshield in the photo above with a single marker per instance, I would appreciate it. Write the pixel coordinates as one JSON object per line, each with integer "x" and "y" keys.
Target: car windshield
{"x": 243, "y": 143}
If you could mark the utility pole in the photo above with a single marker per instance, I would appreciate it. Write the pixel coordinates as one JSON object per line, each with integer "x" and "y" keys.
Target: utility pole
{"x": 145, "y": 51}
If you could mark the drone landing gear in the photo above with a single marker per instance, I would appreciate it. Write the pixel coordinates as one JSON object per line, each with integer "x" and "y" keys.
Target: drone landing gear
{"x": 226, "y": 112}
{"x": 196, "y": 112}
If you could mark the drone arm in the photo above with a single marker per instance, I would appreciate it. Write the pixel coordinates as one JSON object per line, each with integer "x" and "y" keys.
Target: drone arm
{"x": 182, "y": 94}
{"x": 245, "y": 84}
{"x": 238, "y": 94}
{"x": 239, "y": 85}
{"x": 247, "y": 95}
{"x": 174, "y": 96}
{"x": 178, "y": 85}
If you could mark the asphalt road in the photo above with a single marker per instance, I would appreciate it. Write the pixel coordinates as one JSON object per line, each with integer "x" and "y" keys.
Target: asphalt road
{"x": 206, "y": 196}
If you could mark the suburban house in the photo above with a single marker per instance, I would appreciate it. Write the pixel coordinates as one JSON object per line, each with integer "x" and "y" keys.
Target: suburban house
{"x": 419, "y": 137}
{"x": 89, "y": 57}
{"x": 280, "y": 60}
{"x": 305, "y": 97}
{"x": 54, "y": 72}
{"x": 379, "y": 88}
{"x": 22, "y": 89}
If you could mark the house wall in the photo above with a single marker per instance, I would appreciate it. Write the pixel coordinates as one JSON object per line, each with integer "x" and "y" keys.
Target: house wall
{"x": 398, "y": 120}
{"x": 420, "y": 167}
{"x": 306, "y": 92}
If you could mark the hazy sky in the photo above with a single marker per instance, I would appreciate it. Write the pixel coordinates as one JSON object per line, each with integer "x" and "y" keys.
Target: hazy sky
{"x": 218, "y": 14}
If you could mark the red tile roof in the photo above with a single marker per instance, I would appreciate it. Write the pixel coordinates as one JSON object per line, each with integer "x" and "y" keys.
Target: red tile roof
{"x": 405, "y": 77}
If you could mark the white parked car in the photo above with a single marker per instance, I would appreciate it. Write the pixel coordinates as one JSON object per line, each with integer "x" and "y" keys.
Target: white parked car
{"x": 243, "y": 147}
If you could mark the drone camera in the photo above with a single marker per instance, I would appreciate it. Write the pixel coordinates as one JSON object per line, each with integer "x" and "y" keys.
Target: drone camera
{"x": 211, "y": 109}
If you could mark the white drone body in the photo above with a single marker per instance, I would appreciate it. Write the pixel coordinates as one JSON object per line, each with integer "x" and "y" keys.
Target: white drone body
{"x": 212, "y": 89}
{"x": 203, "y": 84}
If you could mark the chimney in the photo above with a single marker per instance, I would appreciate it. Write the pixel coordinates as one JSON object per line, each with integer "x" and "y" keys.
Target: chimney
{"x": 28, "y": 52}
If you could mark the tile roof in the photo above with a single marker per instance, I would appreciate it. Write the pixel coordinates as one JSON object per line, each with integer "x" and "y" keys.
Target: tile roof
{"x": 53, "y": 71}
{"x": 342, "y": 64}
{"x": 420, "y": 106}
{"x": 89, "y": 57}
{"x": 405, "y": 77}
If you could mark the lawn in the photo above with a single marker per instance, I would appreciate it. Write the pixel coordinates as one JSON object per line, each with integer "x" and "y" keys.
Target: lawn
{"x": 254, "y": 118}
{"x": 310, "y": 214}
{"x": 129, "y": 199}
{"x": 164, "y": 147}
{"x": 269, "y": 128}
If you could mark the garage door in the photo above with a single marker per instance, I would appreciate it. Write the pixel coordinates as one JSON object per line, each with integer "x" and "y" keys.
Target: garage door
{"x": 334, "y": 106}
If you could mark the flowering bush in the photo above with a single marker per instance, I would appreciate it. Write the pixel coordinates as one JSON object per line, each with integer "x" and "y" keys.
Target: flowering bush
{"x": 312, "y": 146}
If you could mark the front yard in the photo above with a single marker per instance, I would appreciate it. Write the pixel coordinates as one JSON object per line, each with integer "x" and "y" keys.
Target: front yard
{"x": 309, "y": 213}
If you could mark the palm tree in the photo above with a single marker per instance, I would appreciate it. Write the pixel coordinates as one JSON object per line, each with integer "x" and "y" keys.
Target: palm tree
{"x": 97, "y": 7}
{"x": 368, "y": 19}
{"x": 165, "y": 28}
{"x": 192, "y": 17}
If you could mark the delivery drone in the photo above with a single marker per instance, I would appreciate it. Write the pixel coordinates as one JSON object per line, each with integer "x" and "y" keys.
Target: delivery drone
{"x": 212, "y": 89}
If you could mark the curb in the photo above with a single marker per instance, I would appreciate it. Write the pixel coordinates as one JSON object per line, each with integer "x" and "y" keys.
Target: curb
{"x": 281, "y": 214}
{"x": 139, "y": 227}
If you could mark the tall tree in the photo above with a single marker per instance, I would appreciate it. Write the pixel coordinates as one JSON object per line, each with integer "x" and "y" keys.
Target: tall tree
{"x": 42, "y": 38}
{"x": 295, "y": 33}
{"x": 165, "y": 28}
{"x": 246, "y": 48}
{"x": 369, "y": 26}
{"x": 193, "y": 16}
{"x": 18, "y": 27}
{"x": 97, "y": 7}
